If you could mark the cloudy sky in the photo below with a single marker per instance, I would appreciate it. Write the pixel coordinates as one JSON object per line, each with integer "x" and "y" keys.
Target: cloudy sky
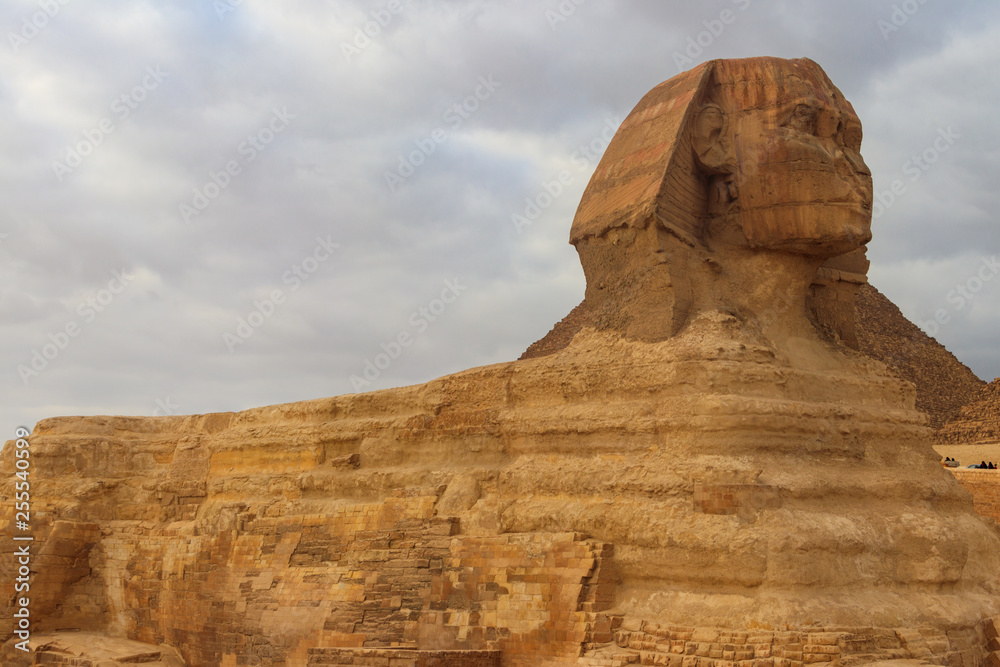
{"x": 219, "y": 204}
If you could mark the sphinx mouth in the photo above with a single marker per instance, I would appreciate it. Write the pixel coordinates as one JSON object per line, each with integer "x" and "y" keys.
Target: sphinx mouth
{"x": 859, "y": 204}
{"x": 862, "y": 195}
{"x": 859, "y": 196}
{"x": 866, "y": 196}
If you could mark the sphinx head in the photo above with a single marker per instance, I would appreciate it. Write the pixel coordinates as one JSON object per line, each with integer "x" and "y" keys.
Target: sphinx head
{"x": 782, "y": 146}
{"x": 734, "y": 164}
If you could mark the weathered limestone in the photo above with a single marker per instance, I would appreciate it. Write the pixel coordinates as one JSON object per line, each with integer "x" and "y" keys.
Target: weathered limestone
{"x": 701, "y": 477}
{"x": 984, "y": 485}
{"x": 977, "y": 423}
{"x": 736, "y": 186}
{"x": 85, "y": 649}
{"x": 943, "y": 383}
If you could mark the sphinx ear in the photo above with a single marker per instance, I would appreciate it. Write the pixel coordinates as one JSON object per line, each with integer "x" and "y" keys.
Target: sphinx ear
{"x": 711, "y": 148}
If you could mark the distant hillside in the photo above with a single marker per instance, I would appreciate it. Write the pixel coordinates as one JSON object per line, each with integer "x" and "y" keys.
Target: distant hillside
{"x": 944, "y": 384}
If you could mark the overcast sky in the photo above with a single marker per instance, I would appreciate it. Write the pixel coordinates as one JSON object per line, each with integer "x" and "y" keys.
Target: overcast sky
{"x": 216, "y": 205}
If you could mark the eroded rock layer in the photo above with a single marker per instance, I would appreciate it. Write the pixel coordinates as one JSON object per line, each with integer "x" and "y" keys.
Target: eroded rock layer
{"x": 944, "y": 384}
{"x": 525, "y": 507}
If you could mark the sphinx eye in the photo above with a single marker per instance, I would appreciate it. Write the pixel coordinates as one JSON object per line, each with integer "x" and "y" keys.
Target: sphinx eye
{"x": 804, "y": 119}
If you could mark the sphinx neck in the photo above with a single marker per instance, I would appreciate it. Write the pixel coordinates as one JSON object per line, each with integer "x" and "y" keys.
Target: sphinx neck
{"x": 770, "y": 289}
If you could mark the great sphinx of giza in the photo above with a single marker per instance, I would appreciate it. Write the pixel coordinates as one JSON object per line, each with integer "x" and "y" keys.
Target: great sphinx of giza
{"x": 707, "y": 474}
{"x": 727, "y": 189}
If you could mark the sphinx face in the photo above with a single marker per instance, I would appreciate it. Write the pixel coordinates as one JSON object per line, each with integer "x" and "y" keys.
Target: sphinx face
{"x": 803, "y": 186}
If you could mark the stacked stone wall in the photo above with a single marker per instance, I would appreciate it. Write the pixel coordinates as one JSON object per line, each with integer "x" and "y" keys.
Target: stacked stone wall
{"x": 383, "y": 576}
{"x": 984, "y": 485}
{"x": 402, "y": 658}
{"x": 651, "y": 644}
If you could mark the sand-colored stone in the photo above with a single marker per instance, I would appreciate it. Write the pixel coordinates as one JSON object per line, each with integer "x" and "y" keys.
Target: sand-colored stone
{"x": 978, "y": 423}
{"x": 755, "y": 200}
{"x": 704, "y": 476}
{"x": 944, "y": 384}
{"x": 984, "y": 485}
{"x": 87, "y": 649}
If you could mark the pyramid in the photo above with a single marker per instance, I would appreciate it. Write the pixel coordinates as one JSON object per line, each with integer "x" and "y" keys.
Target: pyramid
{"x": 944, "y": 384}
{"x": 978, "y": 423}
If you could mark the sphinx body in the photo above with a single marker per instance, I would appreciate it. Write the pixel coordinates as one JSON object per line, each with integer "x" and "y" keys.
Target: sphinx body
{"x": 708, "y": 452}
